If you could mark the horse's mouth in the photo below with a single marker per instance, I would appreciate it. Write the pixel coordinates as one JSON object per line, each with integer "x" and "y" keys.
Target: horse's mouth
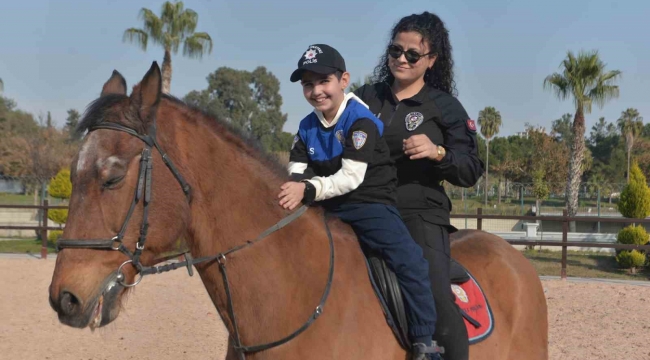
{"x": 96, "y": 317}
{"x": 102, "y": 311}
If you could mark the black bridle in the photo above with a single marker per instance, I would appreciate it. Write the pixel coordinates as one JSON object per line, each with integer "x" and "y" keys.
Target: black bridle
{"x": 143, "y": 191}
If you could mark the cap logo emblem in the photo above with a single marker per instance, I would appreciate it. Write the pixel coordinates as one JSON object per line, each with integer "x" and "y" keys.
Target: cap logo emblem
{"x": 310, "y": 55}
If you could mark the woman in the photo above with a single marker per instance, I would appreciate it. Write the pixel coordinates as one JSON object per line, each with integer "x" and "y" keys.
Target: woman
{"x": 431, "y": 139}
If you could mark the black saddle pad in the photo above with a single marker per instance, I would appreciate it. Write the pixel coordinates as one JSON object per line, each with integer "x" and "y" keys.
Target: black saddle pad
{"x": 388, "y": 291}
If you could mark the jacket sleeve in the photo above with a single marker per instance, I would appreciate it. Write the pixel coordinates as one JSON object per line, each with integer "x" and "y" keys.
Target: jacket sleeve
{"x": 299, "y": 166}
{"x": 461, "y": 165}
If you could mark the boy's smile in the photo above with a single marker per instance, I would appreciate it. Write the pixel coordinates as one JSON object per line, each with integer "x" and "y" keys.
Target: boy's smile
{"x": 324, "y": 92}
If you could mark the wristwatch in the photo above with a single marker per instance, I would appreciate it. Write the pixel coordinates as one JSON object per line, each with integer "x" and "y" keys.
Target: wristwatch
{"x": 441, "y": 153}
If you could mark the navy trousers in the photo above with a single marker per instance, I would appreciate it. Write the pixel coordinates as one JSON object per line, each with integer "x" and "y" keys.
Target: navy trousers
{"x": 380, "y": 227}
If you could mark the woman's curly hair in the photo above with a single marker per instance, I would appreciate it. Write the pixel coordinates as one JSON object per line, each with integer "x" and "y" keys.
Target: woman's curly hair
{"x": 433, "y": 31}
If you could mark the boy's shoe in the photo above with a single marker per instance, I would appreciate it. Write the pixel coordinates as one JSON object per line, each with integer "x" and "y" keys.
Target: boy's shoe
{"x": 423, "y": 352}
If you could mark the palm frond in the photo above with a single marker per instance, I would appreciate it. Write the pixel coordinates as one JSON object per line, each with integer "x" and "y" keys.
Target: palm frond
{"x": 197, "y": 44}
{"x": 489, "y": 119}
{"x": 171, "y": 10}
{"x": 187, "y": 22}
{"x": 138, "y": 36}
{"x": 559, "y": 84}
{"x": 153, "y": 25}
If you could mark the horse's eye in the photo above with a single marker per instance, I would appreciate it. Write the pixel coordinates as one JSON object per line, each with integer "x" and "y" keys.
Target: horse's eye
{"x": 112, "y": 182}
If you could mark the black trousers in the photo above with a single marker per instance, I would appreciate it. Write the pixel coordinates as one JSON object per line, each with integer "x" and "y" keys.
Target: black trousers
{"x": 451, "y": 332}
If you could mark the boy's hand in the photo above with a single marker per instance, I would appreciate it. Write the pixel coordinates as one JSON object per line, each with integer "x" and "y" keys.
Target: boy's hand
{"x": 291, "y": 194}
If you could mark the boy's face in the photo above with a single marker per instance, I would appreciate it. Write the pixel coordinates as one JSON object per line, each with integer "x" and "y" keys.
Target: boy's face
{"x": 324, "y": 92}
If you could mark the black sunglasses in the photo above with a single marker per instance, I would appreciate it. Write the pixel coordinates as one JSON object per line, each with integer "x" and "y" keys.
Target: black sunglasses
{"x": 411, "y": 56}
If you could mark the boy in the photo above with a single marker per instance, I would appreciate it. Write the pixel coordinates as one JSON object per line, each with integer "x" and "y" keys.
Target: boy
{"x": 343, "y": 163}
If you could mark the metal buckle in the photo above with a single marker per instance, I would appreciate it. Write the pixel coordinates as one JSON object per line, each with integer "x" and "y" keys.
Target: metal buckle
{"x": 221, "y": 259}
{"x": 114, "y": 240}
{"x": 120, "y": 276}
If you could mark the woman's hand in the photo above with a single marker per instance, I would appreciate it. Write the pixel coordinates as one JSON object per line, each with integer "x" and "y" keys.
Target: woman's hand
{"x": 291, "y": 194}
{"x": 420, "y": 147}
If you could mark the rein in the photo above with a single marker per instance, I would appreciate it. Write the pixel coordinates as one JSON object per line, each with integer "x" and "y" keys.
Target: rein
{"x": 143, "y": 191}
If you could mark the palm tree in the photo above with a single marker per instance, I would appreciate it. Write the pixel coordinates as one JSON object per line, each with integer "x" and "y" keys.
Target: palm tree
{"x": 490, "y": 121}
{"x": 584, "y": 79}
{"x": 176, "y": 25}
{"x": 631, "y": 125}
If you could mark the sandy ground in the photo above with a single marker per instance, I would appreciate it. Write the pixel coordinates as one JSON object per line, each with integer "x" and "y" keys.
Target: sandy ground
{"x": 169, "y": 316}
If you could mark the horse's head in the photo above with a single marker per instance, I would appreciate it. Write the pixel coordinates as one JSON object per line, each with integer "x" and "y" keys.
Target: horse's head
{"x": 123, "y": 194}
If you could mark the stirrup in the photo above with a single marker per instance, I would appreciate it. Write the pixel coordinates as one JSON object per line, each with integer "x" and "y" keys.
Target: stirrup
{"x": 420, "y": 350}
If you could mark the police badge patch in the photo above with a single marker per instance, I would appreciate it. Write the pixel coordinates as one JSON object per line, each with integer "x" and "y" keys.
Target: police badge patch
{"x": 413, "y": 120}
{"x": 359, "y": 139}
{"x": 339, "y": 136}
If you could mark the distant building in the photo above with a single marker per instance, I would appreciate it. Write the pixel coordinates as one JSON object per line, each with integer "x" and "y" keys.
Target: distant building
{"x": 522, "y": 134}
{"x": 11, "y": 185}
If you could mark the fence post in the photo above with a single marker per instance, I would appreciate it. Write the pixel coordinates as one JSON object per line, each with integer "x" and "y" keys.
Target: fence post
{"x": 479, "y": 219}
{"x": 521, "y": 198}
{"x": 465, "y": 204}
{"x": 565, "y": 235}
{"x": 598, "y": 209}
{"x": 44, "y": 230}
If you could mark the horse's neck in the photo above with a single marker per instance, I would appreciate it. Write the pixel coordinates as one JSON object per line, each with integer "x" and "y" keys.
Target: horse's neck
{"x": 275, "y": 283}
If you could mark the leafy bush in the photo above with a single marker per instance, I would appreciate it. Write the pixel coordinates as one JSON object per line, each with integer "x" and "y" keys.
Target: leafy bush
{"x": 633, "y": 235}
{"x": 635, "y": 197}
{"x": 631, "y": 260}
{"x": 54, "y": 235}
{"x": 59, "y": 216}
{"x": 60, "y": 186}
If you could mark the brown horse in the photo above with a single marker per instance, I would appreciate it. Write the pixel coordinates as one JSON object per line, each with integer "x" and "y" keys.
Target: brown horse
{"x": 199, "y": 181}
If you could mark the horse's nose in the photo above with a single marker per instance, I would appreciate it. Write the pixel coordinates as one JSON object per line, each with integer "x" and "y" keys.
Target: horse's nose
{"x": 69, "y": 304}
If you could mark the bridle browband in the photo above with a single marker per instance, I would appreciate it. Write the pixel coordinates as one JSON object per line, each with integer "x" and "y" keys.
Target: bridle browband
{"x": 143, "y": 191}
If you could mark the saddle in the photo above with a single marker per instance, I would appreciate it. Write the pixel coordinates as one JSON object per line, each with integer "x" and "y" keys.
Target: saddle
{"x": 472, "y": 302}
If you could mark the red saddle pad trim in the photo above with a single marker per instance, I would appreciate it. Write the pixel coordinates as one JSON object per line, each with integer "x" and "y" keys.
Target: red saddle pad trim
{"x": 471, "y": 299}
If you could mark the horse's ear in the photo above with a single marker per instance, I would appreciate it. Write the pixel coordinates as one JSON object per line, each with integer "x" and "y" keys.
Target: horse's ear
{"x": 146, "y": 95}
{"x": 115, "y": 85}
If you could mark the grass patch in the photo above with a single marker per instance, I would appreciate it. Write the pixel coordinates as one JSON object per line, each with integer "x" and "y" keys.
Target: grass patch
{"x": 32, "y": 246}
{"x": 27, "y": 199}
{"x": 582, "y": 264}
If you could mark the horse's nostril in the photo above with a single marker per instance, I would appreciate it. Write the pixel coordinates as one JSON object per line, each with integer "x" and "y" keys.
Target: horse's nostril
{"x": 69, "y": 303}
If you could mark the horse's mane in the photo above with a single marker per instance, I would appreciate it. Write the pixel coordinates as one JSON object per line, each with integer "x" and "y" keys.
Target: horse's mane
{"x": 99, "y": 111}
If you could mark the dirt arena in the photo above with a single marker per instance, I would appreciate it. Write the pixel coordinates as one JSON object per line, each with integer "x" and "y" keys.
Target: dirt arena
{"x": 169, "y": 316}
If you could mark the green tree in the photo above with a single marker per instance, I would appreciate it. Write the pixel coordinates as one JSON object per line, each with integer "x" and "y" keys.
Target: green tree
{"x": 367, "y": 80}
{"x": 72, "y": 121}
{"x": 561, "y": 129}
{"x": 60, "y": 187}
{"x": 540, "y": 189}
{"x": 635, "y": 197}
{"x": 585, "y": 80}
{"x": 249, "y": 101}
{"x": 490, "y": 121}
{"x": 631, "y": 125}
{"x": 2, "y": 85}
{"x": 175, "y": 26}
{"x": 601, "y": 131}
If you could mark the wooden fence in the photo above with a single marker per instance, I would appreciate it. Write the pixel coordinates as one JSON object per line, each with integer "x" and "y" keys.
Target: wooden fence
{"x": 479, "y": 216}
{"x": 41, "y": 229}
